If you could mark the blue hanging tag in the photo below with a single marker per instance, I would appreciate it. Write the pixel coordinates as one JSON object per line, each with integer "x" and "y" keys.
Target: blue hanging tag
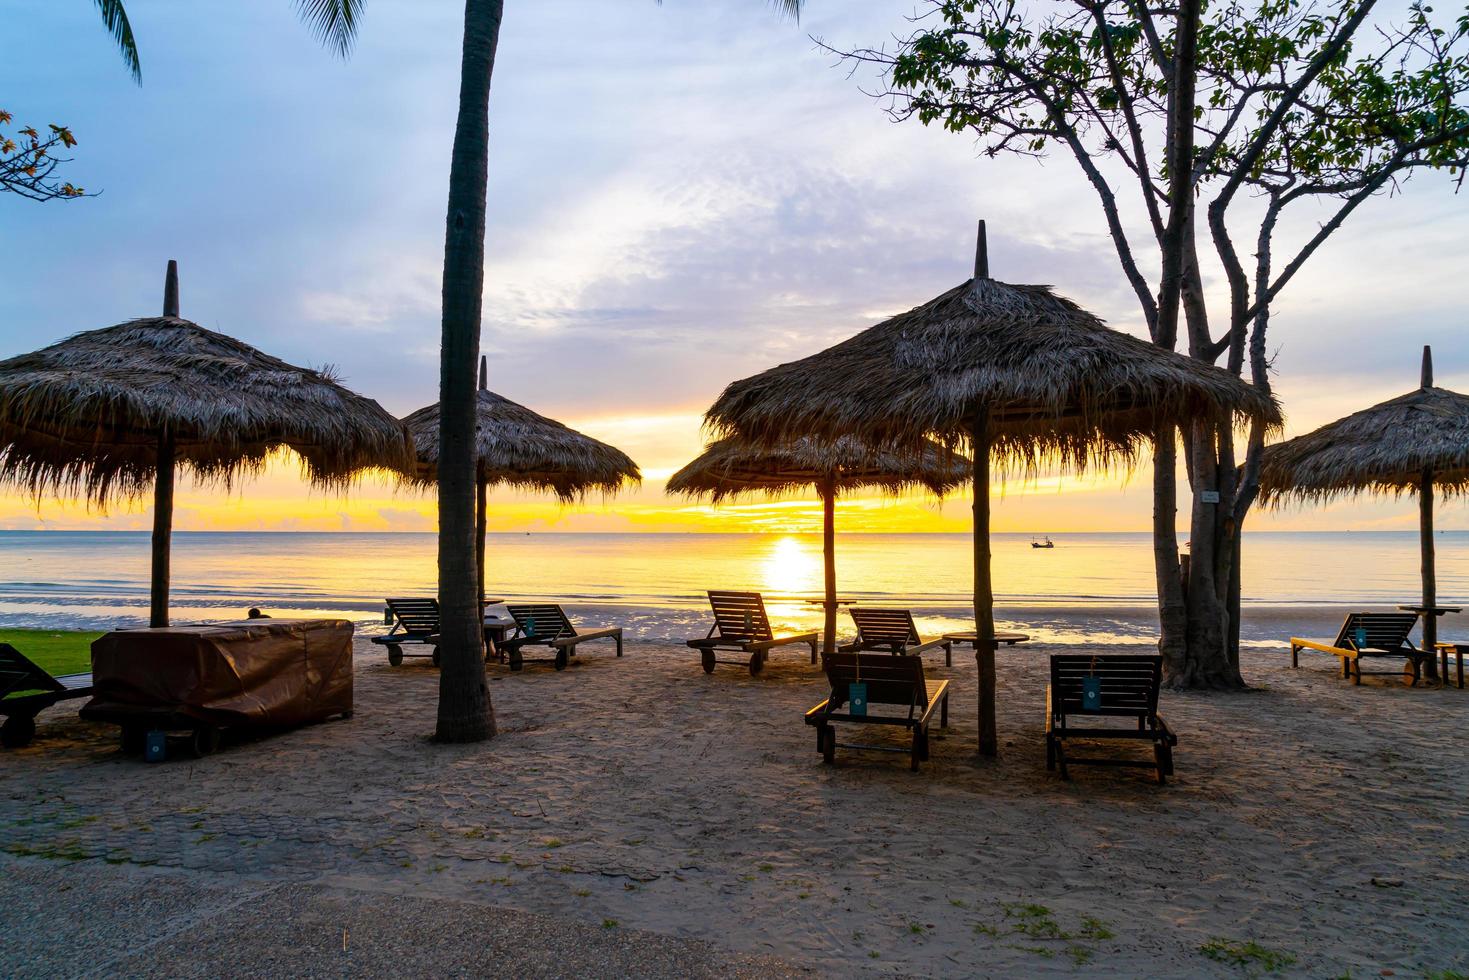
{"x": 1360, "y": 635}
{"x": 857, "y": 697}
{"x": 530, "y": 626}
{"x": 1091, "y": 694}
{"x": 155, "y": 747}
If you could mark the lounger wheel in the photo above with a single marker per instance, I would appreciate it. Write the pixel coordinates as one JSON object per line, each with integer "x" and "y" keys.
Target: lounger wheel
{"x": 706, "y": 657}
{"x": 134, "y": 739}
{"x": 563, "y": 657}
{"x": 516, "y": 660}
{"x": 1411, "y": 673}
{"x": 395, "y": 655}
{"x": 17, "y": 731}
{"x": 826, "y": 737}
{"x": 203, "y": 741}
{"x": 436, "y": 656}
{"x": 757, "y": 663}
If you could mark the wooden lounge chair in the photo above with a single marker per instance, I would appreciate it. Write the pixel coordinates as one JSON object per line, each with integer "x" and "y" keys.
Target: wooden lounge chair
{"x": 415, "y": 622}
{"x": 1384, "y": 635}
{"x": 893, "y": 630}
{"x": 545, "y": 624}
{"x": 891, "y": 679}
{"x": 26, "y": 690}
{"x": 740, "y": 624}
{"x": 1129, "y": 689}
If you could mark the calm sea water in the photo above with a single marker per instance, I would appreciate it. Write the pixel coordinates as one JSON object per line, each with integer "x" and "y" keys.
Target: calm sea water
{"x": 1093, "y": 588}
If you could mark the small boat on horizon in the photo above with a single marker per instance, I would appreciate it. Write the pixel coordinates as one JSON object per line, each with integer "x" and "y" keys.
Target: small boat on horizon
{"x": 1044, "y": 543}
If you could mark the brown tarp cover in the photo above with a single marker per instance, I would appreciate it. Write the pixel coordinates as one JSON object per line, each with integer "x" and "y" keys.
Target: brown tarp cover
{"x": 255, "y": 672}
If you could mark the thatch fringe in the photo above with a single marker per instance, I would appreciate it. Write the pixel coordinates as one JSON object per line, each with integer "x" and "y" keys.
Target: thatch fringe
{"x": 83, "y": 417}
{"x": 729, "y": 468}
{"x": 1379, "y": 450}
{"x": 1060, "y": 386}
{"x": 521, "y": 448}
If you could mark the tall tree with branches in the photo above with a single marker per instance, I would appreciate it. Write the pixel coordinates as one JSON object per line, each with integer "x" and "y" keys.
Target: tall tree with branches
{"x": 1198, "y": 127}
{"x": 465, "y": 712}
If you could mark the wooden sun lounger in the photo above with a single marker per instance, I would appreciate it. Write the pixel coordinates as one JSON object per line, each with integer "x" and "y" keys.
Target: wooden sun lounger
{"x": 545, "y": 624}
{"x": 1129, "y": 689}
{"x": 416, "y": 622}
{"x": 891, "y": 679}
{"x": 740, "y": 624}
{"x": 893, "y": 630}
{"x": 26, "y": 690}
{"x": 1386, "y": 636}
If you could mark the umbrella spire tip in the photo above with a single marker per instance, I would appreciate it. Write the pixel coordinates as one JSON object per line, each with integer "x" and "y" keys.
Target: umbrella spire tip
{"x": 484, "y": 373}
{"x": 1427, "y": 366}
{"x": 981, "y": 254}
{"x": 171, "y": 289}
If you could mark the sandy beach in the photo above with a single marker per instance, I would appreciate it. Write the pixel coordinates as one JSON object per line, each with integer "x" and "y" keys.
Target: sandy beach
{"x": 1327, "y": 824}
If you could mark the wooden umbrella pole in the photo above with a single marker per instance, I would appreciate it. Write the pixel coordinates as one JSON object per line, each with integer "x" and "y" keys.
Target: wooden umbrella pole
{"x": 1430, "y": 583}
{"x": 162, "y": 531}
{"x": 828, "y": 556}
{"x": 481, "y": 527}
{"x": 984, "y": 596}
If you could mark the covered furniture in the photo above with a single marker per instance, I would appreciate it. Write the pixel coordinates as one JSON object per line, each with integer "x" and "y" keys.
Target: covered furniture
{"x": 26, "y": 690}
{"x": 1085, "y": 689}
{"x": 546, "y": 624}
{"x": 1381, "y": 635}
{"x": 891, "y": 679}
{"x": 740, "y": 624}
{"x": 893, "y": 630}
{"x": 416, "y": 623}
{"x": 257, "y": 674}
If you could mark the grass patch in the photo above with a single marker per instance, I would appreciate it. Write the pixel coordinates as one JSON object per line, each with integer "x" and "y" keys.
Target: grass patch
{"x": 54, "y": 651}
{"x": 1247, "y": 955}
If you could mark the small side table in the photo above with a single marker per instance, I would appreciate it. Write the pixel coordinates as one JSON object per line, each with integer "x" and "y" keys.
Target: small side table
{"x": 1458, "y": 650}
{"x": 1001, "y": 636}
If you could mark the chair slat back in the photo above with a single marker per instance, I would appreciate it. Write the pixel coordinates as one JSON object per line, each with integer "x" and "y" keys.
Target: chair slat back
{"x": 1129, "y": 683}
{"x": 417, "y": 616}
{"x": 545, "y": 620}
{"x": 879, "y": 626}
{"x": 890, "y": 678}
{"x": 18, "y": 674}
{"x": 1387, "y": 632}
{"x": 740, "y": 615}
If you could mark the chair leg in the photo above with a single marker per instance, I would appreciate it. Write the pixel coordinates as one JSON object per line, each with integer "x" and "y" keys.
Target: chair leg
{"x": 949, "y": 656}
{"x": 944, "y": 712}
{"x": 1061, "y": 759}
{"x": 1295, "y": 655}
{"x": 1160, "y": 762}
{"x": 1050, "y": 753}
{"x": 1357, "y": 671}
{"x": 916, "y": 756}
{"x": 813, "y": 653}
{"x": 619, "y": 644}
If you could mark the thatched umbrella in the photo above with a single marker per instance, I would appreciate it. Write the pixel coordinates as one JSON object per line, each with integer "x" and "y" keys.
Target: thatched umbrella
{"x": 1013, "y": 371}
{"x": 520, "y": 448}
{"x": 116, "y": 412}
{"x": 1410, "y": 444}
{"x": 730, "y": 468}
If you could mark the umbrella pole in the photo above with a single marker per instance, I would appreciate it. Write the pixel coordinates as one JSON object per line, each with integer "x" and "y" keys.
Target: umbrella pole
{"x": 162, "y": 531}
{"x": 481, "y": 526}
{"x": 828, "y": 557}
{"x": 984, "y": 596}
{"x": 1430, "y": 583}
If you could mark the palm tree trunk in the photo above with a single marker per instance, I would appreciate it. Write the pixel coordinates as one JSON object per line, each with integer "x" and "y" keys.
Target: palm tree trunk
{"x": 829, "y": 560}
{"x": 162, "y": 532}
{"x": 481, "y": 525}
{"x": 984, "y": 593}
{"x": 465, "y": 713}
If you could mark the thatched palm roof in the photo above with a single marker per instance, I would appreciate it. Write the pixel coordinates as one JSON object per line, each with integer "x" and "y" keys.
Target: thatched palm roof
{"x": 729, "y": 468}
{"x": 1382, "y": 449}
{"x": 1057, "y": 382}
{"x": 85, "y": 415}
{"x": 523, "y": 449}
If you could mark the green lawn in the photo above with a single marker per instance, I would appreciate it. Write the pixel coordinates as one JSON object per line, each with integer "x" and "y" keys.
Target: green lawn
{"x": 56, "y": 651}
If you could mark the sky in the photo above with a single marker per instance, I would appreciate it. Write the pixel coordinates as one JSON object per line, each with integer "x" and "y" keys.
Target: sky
{"x": 681, "y": 195}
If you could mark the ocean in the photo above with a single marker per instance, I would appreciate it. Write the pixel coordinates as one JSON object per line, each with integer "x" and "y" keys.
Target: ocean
{"x": 1091, "y": 588}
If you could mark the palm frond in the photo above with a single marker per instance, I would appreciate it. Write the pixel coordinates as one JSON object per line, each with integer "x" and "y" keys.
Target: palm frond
{"x": 115, "y": 19}
{"x": 334, "y": 22}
